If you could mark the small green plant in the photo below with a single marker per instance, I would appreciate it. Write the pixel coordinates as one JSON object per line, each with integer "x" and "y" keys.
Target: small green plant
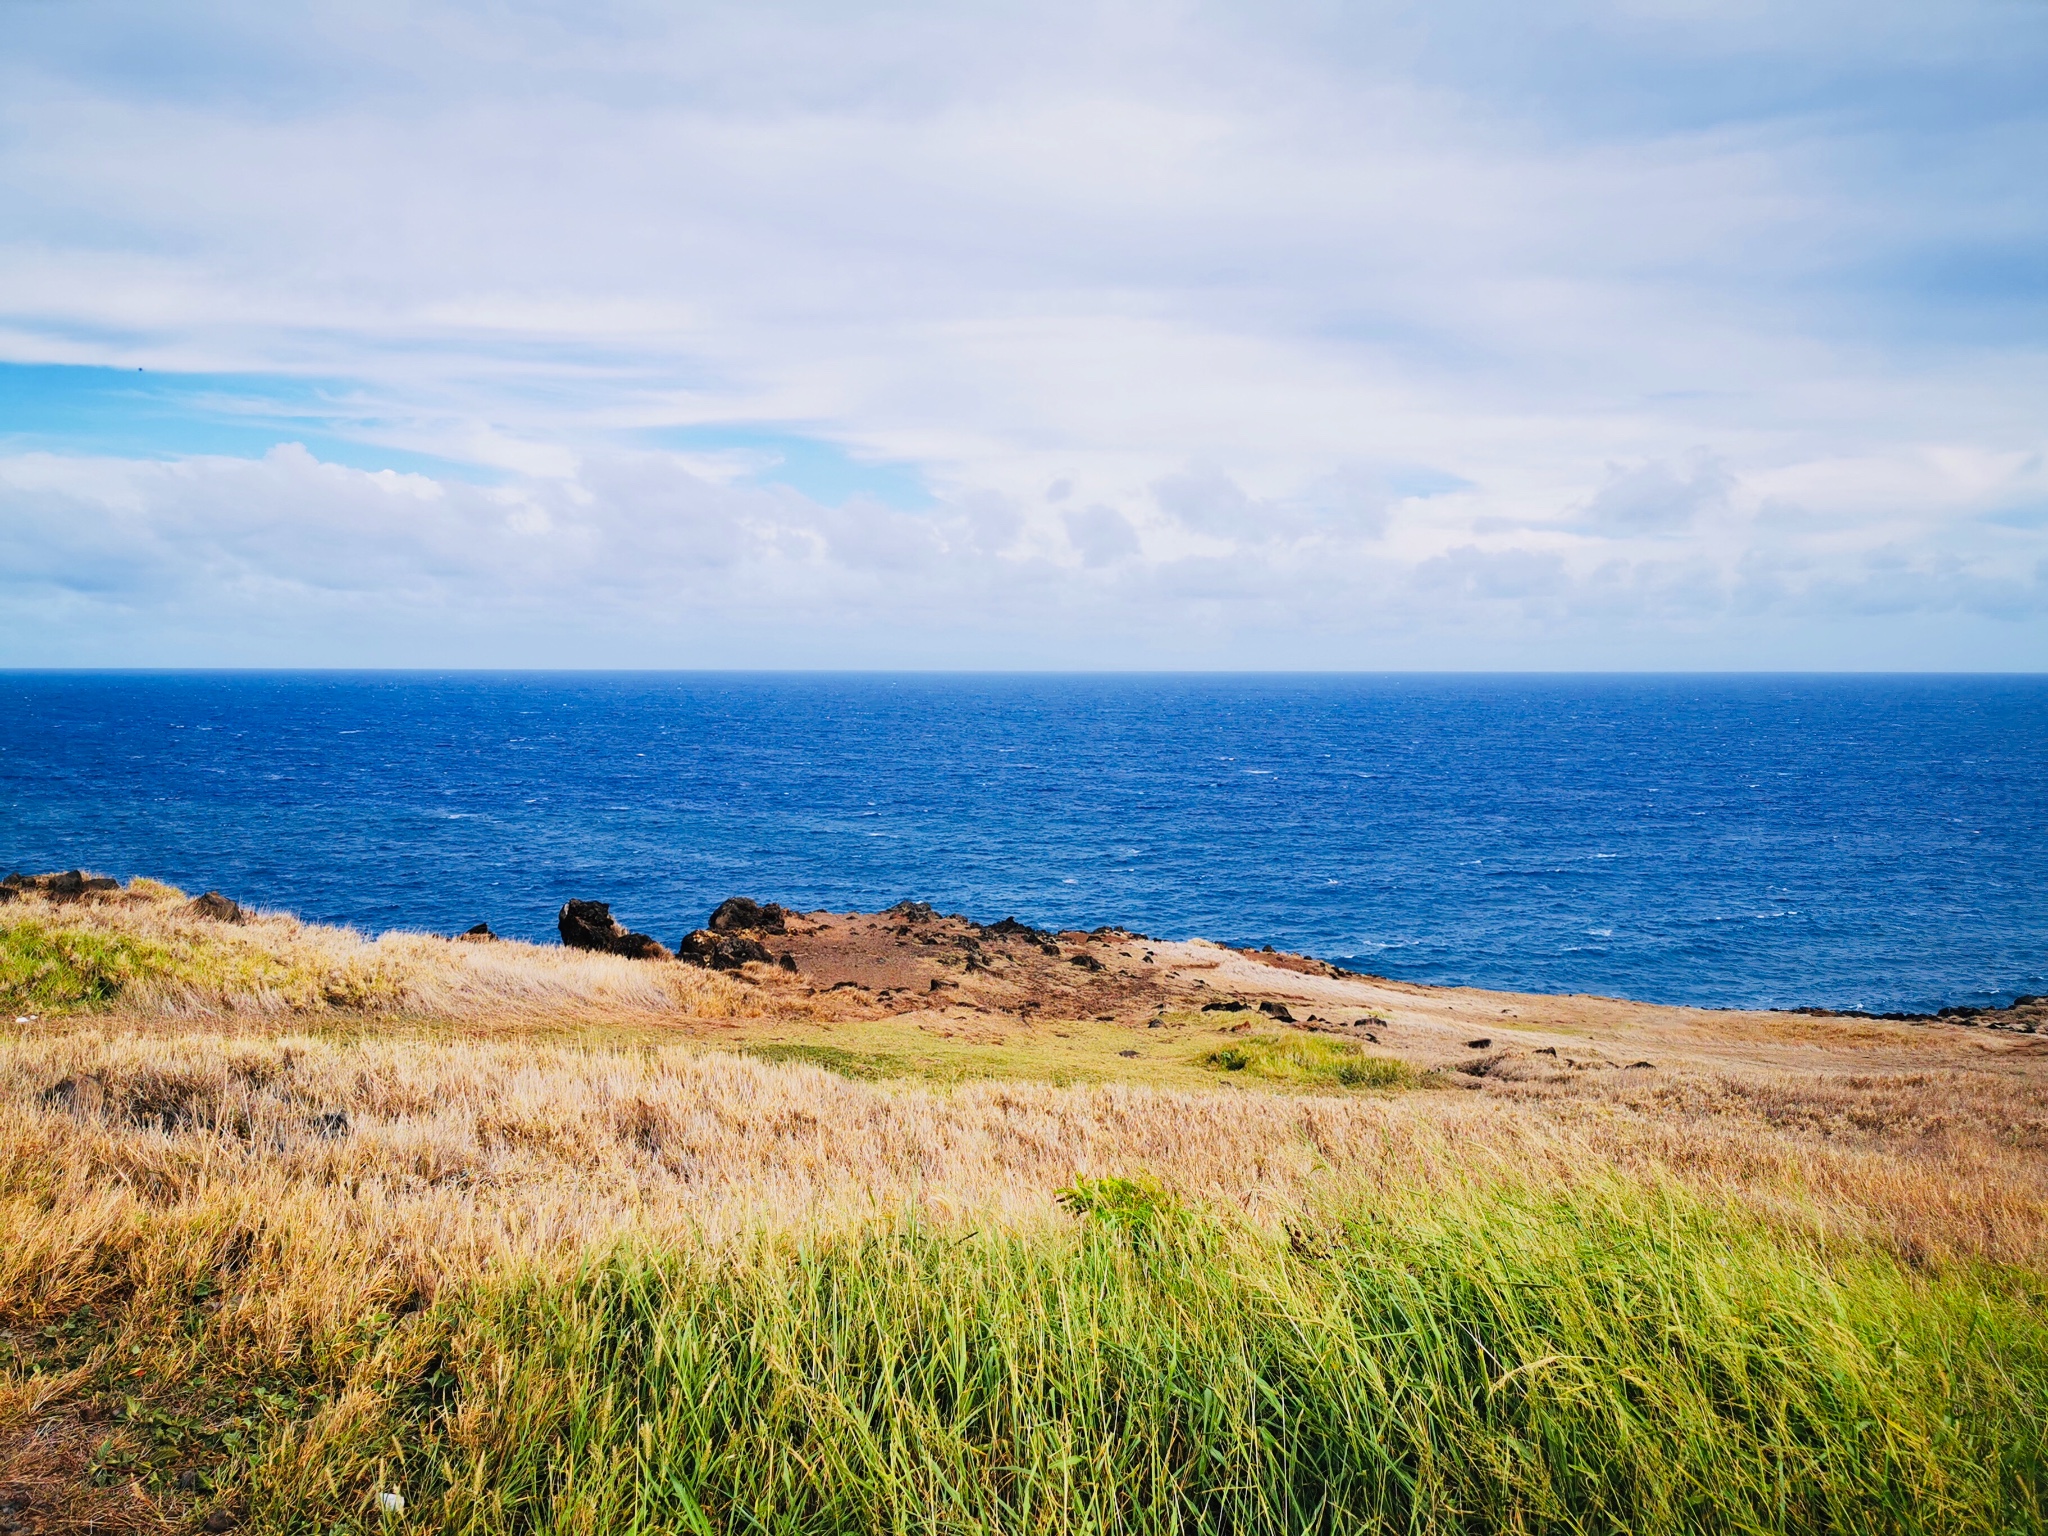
{"x": 1310, "y": 1061}
{"x": 1141, "y": 1210}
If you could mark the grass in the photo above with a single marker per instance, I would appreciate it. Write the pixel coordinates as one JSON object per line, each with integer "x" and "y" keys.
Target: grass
{"x": 42, "y": 967}
{"x": 1310, "y": 1061}
{"x": 268, "y": 1254}
{"x": 861, "y": 1066}
{"x": 142, "y": 952}
{"x": 1617, "y": 1359}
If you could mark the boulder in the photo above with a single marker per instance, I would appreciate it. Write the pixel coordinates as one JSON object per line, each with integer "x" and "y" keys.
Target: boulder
{"x": 216, "y": 908}
{"x": 1277, "y": 1011}
{"x": 723, "y": 951}
{"x": 741, "y": 914}
{"x": 1087, "y": 962}
{"x": 70, "y": 885}
{"x": 913, "y": 911}
{"x": 590, "y": 925}
{"x": 1010, "y": 928}
{"x": 480, "y": 934}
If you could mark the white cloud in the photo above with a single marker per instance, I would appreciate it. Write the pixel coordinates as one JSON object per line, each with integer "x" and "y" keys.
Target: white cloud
{"x": 1451, "y": 335}
{"x": 1660, "y": 496}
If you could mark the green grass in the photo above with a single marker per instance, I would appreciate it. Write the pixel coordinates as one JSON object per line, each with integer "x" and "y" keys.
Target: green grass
{"x": 1620, "y": 1360}
{"x": 863, "y": 1066}
{"x": 1303, "y": 1061}
{"x": 57, "y": 968}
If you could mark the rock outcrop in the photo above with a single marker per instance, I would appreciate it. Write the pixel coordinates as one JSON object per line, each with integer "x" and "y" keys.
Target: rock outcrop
{"x": 216, "y": 908}
{"x": 590, "y": 925}
{"x": 723, "y": 951}
{"x": 741, "y": 914}
{"x": 70, "y": 885}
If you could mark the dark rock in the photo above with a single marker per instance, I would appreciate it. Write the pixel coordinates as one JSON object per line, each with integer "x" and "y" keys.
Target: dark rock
{"x": 1277, "y": 1011}
{"x": 786, "y": 960}
{"x": 480, "y": 934}
{"x": 1546, "y": 1050}
{"x": 219, "y": 1520}
{"x": 1479, "y": 1045}
{"x": 69, "y": 885}
{"x": 216, "y": 908}
{"x": 739, "y": 913}
{"x": 1127, "y": 1053}
{"x": 590, "y": 925}
{"x": 913, "y": 911}
{"x": 1085, "y": 961}
{"x": 1222, "y": 1007}
{"x": 723, "y": 951}
{"x": 1010, "y": 928}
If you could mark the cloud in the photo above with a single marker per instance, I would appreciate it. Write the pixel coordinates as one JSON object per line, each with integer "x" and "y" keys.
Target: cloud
{"x": 1101, "y": 535}
{"x": 1503, "y": 327}
{"x": 1658, "y": 497}
{"x": 293, "y": 560}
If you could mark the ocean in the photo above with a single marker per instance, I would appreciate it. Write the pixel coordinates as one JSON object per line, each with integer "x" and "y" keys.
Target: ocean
{"x": 1778, "y": 841}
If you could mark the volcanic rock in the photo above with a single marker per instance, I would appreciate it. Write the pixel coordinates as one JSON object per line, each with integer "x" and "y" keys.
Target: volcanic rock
{"x": 738, "y": 913}
{"x": 722, "y": 951}
{"x": 70, "y": 885}
{"x": 590, "y": 925}
{"x": 480, "y": 934}
{"x": 1010, "y": 928}
{"x": 216, "y": 908}
{"x": 1277, "y": 1011}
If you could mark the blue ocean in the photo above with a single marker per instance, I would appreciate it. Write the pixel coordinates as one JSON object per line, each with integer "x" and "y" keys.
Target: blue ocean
{"x": 1848, "y": 842}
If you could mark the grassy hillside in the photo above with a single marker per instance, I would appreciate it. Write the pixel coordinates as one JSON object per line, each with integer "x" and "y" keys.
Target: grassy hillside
{"x": 542, "y": 1242}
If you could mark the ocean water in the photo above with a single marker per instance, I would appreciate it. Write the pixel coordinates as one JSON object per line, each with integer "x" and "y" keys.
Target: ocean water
{"x": 1853, "y": 842}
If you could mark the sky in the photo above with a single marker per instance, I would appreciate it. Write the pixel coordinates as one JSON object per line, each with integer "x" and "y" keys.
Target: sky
{"x": 1657, "y": 334}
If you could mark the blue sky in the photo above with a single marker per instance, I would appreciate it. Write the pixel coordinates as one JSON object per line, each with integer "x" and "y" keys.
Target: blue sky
{"x": 1299, "y": 335}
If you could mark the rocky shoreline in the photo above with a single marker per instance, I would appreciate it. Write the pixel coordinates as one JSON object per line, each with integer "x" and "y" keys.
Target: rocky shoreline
{"x": 856, "y": 951}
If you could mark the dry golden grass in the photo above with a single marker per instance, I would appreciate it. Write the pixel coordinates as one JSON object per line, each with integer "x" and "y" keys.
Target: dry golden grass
{"x": 274, "y": 964}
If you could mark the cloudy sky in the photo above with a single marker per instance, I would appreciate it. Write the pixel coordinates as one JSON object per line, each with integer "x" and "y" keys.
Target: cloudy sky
{"x": 1335, "y": 335}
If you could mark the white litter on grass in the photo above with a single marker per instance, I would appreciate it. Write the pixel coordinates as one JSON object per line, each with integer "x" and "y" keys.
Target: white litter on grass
{"x": 389, "y": 1503}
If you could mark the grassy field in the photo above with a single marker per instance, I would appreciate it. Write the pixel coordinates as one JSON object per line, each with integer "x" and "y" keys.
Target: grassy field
{"x": 541, "y": 1242}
